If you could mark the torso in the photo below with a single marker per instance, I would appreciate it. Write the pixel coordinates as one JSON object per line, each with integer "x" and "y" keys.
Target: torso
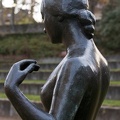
{"x": 47, "y": 91}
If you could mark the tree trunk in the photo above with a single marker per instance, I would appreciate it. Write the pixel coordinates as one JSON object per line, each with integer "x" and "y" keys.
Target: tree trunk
{"x": 13, "y": 15}
{"x": 1, "y": 13}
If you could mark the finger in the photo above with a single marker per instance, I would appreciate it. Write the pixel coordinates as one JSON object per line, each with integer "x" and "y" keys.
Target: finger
{"x": 32, "y": 67}
{"x": 25, "y": 63}
{"x": 36, "y": 67}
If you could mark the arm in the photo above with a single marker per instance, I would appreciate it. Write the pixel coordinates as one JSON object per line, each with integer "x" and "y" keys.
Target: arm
{"x": 24, "y": 107}
{"x": 67, "y": 96}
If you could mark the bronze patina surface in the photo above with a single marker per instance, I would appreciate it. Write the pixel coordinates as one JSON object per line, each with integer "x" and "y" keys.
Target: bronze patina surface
{"x": 77, "y": 87}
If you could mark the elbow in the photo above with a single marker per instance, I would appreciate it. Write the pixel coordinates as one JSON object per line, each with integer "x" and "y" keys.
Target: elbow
{"x": 8, "y": 88}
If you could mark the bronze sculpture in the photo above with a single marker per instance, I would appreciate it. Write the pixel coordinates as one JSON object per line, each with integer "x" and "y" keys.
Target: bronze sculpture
{"x": 76, "y": 88}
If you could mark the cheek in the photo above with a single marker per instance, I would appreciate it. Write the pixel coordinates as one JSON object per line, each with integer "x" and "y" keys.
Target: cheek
{"x": 54, "y": 31}
{"x": 49, "y": 25}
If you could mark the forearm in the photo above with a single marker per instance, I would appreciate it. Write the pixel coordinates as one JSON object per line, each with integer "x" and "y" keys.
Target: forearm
{"x": 24, "y": 107}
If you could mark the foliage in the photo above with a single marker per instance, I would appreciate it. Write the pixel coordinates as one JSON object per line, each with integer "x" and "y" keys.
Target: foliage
{"x": 114, "y": 83}
{"x": 30, "y": 45}
{"x": 110, "y": 26}
{"x": 20, "y": 12}
{"x": 112, "y": 5}
{"x": 112, "y": 103}
{"x": 30, "y": 97}
{"x": 93, "y": 3}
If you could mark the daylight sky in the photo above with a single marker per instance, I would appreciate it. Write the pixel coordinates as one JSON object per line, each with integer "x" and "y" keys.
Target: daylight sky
{"x": 36, "y": 14}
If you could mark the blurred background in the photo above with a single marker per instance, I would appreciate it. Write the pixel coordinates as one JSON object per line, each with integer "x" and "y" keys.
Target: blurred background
{"x": 22, "y": 36}
{"x": 21, "y": 23}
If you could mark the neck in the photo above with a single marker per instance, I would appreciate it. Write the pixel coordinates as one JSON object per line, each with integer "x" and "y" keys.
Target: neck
{"x": 74, "y": 39}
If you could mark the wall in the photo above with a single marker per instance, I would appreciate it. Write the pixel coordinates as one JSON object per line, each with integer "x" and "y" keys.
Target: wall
{"x": 21, "y": 29}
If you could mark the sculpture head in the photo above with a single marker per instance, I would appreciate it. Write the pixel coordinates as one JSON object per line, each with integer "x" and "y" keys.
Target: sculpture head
{"x": 56, "y": 14}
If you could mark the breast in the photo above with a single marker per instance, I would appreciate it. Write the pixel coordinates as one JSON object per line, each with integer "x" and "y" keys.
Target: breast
{"x": 47, "y": 93}
{"x": 47, "y": 89}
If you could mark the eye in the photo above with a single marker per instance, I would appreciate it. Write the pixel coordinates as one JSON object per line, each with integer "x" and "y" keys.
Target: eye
{"x": 60, "y": 18}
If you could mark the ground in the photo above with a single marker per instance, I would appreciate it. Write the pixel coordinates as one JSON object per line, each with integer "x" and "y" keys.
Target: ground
{"x": 9, "y": 118}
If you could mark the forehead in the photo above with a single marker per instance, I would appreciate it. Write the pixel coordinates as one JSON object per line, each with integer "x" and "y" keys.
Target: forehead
{"x": 64, "y": 5}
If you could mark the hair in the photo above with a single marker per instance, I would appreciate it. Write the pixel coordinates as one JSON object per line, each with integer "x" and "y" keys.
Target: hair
{"x": 66, "y": 9}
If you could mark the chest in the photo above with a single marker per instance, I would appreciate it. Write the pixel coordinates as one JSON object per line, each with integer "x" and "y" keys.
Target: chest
{"x": 48, "y": 88}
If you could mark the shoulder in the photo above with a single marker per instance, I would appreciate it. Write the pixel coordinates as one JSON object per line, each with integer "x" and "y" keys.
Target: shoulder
{"x": 75, "y": 65}
{"x": 78, "y": 62}
{"x": 73, "y": 62}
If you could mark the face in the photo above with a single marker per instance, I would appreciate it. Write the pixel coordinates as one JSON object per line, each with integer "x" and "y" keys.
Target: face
{"x": 53, "y": 12}
{"x": 52, "y": 24}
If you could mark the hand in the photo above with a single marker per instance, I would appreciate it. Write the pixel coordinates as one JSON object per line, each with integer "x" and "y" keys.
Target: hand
{"x": 19, "y": 71}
